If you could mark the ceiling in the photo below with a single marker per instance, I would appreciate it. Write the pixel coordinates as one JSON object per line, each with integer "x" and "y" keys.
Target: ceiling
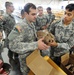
{"x": 44, "y": 3}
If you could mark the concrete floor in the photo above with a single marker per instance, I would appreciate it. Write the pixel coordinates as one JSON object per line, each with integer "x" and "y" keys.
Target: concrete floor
{"x": 14, "y": 70}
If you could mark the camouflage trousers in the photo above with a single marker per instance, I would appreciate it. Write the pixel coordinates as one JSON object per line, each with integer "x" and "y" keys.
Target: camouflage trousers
{"x": 23, "y": 66}
{"x": 24, "y": 69}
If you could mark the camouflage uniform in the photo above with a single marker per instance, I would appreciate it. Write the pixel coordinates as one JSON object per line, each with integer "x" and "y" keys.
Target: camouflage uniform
{"x": 51, "y": 17}
{"x": 1, "y": 48}
{"x": 1, "y": 41}
{"x": 41, "y": 21}
{"x": 64, "y": 36}
{"x": 23, "y": 42}
{"x": 1, "y": 24}
{"x": 9, "y": 23}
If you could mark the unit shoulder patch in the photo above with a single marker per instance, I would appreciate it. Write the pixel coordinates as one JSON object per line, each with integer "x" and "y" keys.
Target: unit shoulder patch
{"x": 18, "y": 28}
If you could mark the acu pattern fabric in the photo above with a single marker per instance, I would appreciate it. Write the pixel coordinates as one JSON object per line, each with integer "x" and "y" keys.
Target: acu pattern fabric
{"x": 41, "y": 21}
{"x": 1, "y": 24}
{"x": 1, "y": 48}
{"x": 51, "y": 17}
{"x": 9, "y": 23}
{"x": 23, "y": 42}
{"x": 64, "y": 36}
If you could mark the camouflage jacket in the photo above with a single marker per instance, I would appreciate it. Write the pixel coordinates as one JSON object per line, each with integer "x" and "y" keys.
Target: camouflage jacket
{"x": 1, "y": 46}
{"x": 8, "y": 23}
{"x": 23, "y": 42}
{"x": 1, "y": 24}
{"x": 51, "y": 17}
{"x": 64, "y": 36}
{"x": 41, "y": 21}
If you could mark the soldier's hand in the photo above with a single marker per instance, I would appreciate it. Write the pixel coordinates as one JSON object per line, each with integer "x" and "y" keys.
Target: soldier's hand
{"x": 1, "y": 70}
{"x": 42, "y": 45}
{"x": 5, "y": 73}
{"x": 47, "y": 26}
{"x": 54, "y": 44}
{"x": 43, "y": 27}
{"x": 1, "y": 17}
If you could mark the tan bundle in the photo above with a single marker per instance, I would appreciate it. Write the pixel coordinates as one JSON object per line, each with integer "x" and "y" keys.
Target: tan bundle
{"x": 42, "y": 33}
{"x": 48, "y": 37}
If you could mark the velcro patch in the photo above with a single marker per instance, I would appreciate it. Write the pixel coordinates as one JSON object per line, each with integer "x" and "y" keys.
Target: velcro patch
{"x": 18, "y": 28}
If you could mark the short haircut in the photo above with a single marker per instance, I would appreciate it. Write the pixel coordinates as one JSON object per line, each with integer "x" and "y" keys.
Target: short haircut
{"x": 48, "y": 8}
{"x": 22, "y": 11}
{"x": 28, "y": 6}
{"x": 70, "y": 7}
{"x": 39, "y": 7}
{"x": 8, "y": 4}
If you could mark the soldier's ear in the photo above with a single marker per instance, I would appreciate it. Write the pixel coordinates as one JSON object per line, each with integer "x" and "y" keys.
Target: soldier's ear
{"x": 25, "y": 13}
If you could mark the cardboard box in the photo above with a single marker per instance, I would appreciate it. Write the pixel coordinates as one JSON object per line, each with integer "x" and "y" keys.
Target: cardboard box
{"x": 67, "y": 59}
{"x": 39, "y": 66}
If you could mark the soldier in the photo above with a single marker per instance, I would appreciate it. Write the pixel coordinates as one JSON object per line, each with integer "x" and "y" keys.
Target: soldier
{"x": 42, "y": 23}
{"x": 42, "y": 20}
{"x": 63, "y": 31}
{"x": 8, "y": 24}
{"x": 8, "y": 18}
{"x": 51, "y": 16}
{"x": 1, "y": 34}
{"x": 22, "y": 38}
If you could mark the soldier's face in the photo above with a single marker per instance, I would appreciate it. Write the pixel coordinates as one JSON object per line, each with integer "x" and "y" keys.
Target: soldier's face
{"x": 11, "y": 7}
{"x": 68, "y": 16}
{"x": 32, "y": 15}
{"x": 48, "y": 11}
{"x": 40, "y": 11}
